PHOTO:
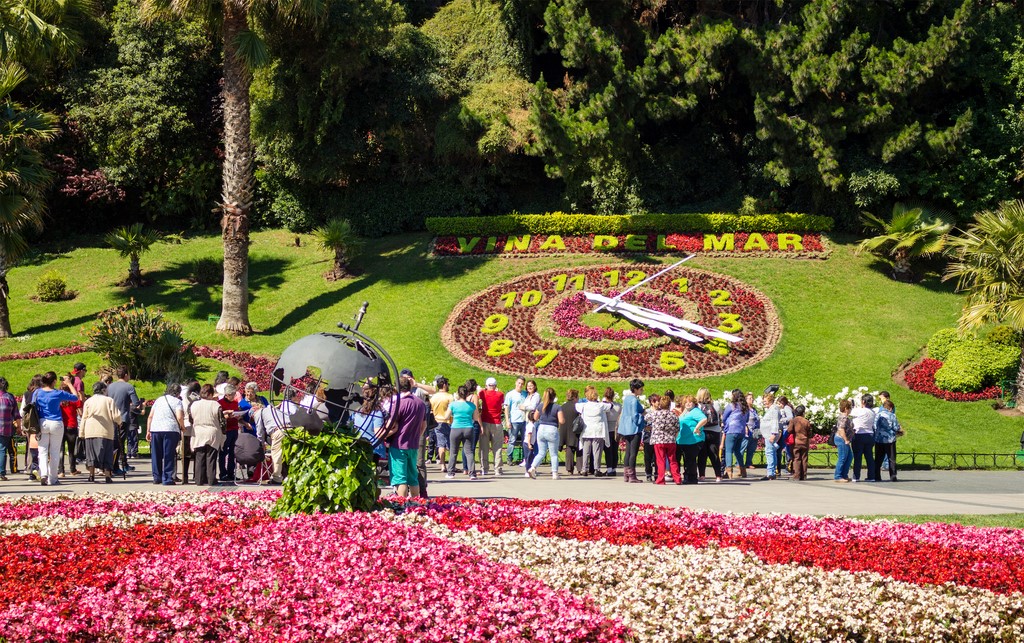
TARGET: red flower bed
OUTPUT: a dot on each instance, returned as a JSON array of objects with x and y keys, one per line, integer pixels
[
  {"x": 921, "y": 378},
  {"x": 764, "y": 244}
]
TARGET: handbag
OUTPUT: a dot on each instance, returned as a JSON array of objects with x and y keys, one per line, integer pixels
[
  {"x": 578, "y": 426},
  {"x": 30, "y": 419},
  {"x": 790, "y": 440}
]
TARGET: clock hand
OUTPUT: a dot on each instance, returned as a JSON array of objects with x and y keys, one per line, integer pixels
[
  {"x": 649, "y": 317},
  {"x": 635, "y": 286}
]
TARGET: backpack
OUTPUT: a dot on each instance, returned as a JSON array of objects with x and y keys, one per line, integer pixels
[
  {"x": 711, "y": 412},
  {"x": 578, "y": 426},
  {"x": 30, "y": 419}
]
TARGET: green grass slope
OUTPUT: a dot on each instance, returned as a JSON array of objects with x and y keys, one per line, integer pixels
[{"x": 844, "y": 322}]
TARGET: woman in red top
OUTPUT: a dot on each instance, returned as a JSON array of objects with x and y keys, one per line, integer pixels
[
  {"x": 227, "y": 453},
  {"x": 70, "y": 412}
]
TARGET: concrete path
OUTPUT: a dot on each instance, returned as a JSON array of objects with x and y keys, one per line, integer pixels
[{"x": 917, "y": 492}]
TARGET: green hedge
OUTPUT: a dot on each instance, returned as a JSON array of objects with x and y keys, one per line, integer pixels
[
  {"x": 943, "y": 341},
  {"x": 562, "y": 223},
  {"x": 974, "y": 364}
]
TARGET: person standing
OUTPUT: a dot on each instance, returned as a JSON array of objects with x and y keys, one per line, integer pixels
[
  {"x": 567, "y": 437},
  {"x": 463, "y": 415},
  {"x": 439, "y": 408},
  {"x": 163, "y": 431},
  {"x": 664, "y": 431},
  {"x": 844, "y": 442},
  {"x": 100, "y": 417},
  {"x": 887, "y": 428},
  {"x": 32, "y": 445},
  {"x": 207, "y": 434},
  {"x": 630, "y": 428},
  {"x": 770, "y": 432},
  {"x": 611, "y": 452},
  {"x": 189, "y": 394},
  {"x": 800, "y": 427},
  {"x": 408, "y": 421},
  {"x": 128, "y": 403},
  {"x": 229, "y": 405},
  {"x": 752, "y": 435},
  {"x": 491, "y": 437},
  {"x": 734, "y": 419},
  {"x": 864, "y": 436},
  {"x": 785, "y": 417},
  {"x": 70, "y": 412},
  {"x": 595, "y": 430},
  {"x": 548, "y": 417},
  {"x": 51, "y": 429},
  {"x": 9, "y": 414},
  {"x": 528, "y": 406},
  {"x": 690, "y": 437},
  {"x": 271, "y": 423},
  {"x": 712, "y": 436},
  {"x": 515, "y": 420}
]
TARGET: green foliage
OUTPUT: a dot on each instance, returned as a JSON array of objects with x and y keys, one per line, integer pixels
[
  {"x": 327, "y": 473},
  {"x": 1004, "y": 335},
  {"x": 146, "y": 113},
  {"x": 139, "y": 337},
  {"x": 132, "y": 241},
  {"x": 974, "y": 364},
  {"x": 943, "y": 341},
  {"x": 338, "y": 236},
  {"x": 206, "y": 271},
  {"x": 52, "y": 286},
  {"x": 562, "y": 223},
  {"x": 911, "y": 233}
]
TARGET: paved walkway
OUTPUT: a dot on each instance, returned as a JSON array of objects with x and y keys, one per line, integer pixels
[{"x": 917, "y": 492}]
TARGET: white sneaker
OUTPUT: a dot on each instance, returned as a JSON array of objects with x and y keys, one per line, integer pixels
[
  {"x": 609, "y": 473},
  {"x": 555, "y": 476},
  {"x": 499, "y": 473},
  {"x": 449, "y": 476},
  {"x": 523, "y": 464},
  {"x": 532, "y": 473},
  {"x": 526, "y": 475}
]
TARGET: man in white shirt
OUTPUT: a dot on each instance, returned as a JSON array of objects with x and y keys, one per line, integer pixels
[
  {"x": 515, "y": 417},
  {"x": 863, "y": 417}
]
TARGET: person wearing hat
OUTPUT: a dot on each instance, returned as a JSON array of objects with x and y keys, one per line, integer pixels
[
  {"x": 77, "y": 373},
  {"x": 492, "y": 438}
]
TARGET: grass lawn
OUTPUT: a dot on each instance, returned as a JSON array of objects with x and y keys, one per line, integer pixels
[
  {"x": 844, "y": 322},
  {"x": 1012, "y": 520}
]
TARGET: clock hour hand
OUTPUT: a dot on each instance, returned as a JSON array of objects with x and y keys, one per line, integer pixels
[{"x": 660, "y": 321}]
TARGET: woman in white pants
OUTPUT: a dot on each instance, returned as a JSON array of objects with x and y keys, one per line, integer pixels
[{"x": 51, "y": 424}]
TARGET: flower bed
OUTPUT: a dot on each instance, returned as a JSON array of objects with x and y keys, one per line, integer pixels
[
  {"x": 533, "y": 325},
  {"x": 921, "y": 378},
  {"x": 728, "y": 244},
  {"x": 502, "y": 570}
]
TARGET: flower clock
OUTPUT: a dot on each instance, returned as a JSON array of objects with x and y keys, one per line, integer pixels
[{"x": 685, "y": 323}]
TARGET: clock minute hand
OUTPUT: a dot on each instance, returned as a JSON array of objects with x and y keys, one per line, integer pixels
[
  {"x": 635, "y": 286},
  {"x": 648, "y": 317}
]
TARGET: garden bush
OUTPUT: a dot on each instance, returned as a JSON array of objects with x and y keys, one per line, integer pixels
[
  {"x": 52, "y": 286},
  {"x": 1004, "y": 335},
  {"x": 974, "y": 364},
  {"x": 141, "y": 339},
  {"x": 942, "y": 342},
  {"x": 206, "y": 271},
  {"x": 563, "y": 223}
]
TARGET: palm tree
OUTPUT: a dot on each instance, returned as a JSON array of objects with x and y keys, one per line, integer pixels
[
  {"x": 338, "y": 237},
  {"x": 988, "y": 264},
  {"x": 911, "y": 233},
  {"x": 23, "y": 177},
  {"x": 242, "y": 50},
  {"x": 37, "y": 31},
  {"x": 131, "y": 242}
]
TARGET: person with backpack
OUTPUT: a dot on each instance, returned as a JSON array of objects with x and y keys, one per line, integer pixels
[
  {"x": 735, "y": 419},
  {"x": 712, "y": 444}
]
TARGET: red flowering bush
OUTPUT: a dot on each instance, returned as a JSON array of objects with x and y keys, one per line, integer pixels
[{"x": 921, "y": 378}]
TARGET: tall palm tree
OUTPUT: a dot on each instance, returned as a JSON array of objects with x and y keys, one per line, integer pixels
[
  {"x": 910, "y": 233},
  {"x": 243, "y": 50},
  {"x": 337, "y": 236},
  {"x": 35, "y": 31},
  {"x": 23, "y": 177},
  {"x": 131, "y": 242},
  {"x": 988, "y": 264}
]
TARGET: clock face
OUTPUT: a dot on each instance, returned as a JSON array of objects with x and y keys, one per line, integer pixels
[{"x": 542, "y": 324}]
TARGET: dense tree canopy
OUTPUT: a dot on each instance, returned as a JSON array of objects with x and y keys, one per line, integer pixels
[{"x": 387, "y": 111}]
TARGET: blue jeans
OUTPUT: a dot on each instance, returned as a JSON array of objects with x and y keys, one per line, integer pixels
[
  {"x": 164, "y": 449},
  {"x": 6, "y": 446},
  {"x": 515, "y": 435},
  {"x": 227, "y": 456},
  {"x": 863, "y": 445},
  {"x": 845, "y": 454},
  {"x": 547, "y": 443},
  {"x": 733, "y": 450},
  {"x": 749, "y": 448},
  {"x": 473, "y": 441},
  {"x": 770, "y": 459}
]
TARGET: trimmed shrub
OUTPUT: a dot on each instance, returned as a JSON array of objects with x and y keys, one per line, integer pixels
[
  {"x": 974, "y": 364},
  {"x": 942, "y": 342},
  {"x": 141, "y": 339},
  {"x": 206, "y": 271},
  {"x": 53, "y": 287},
  {"x": 562, "y": 223},
  {"x": 1004, "y": 336}
]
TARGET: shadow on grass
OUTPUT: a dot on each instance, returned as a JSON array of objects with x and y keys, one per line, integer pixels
[{"x": 59, "y": 325}]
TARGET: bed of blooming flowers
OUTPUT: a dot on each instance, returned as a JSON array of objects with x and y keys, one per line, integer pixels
[{"x": 204, "y": 566}]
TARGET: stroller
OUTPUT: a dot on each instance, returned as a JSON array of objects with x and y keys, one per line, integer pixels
[{"x": 249, "y": 452}]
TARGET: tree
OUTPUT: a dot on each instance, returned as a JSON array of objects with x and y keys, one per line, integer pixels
[
  {"x": 988, "y": 264},
  {"x": 911, "y": 233},
  {"x": 242, "y": 51},
  {"x": 338, "y": 237},
  {"x": 23, "y": 177},
  {"x": 131, "y": 242}
]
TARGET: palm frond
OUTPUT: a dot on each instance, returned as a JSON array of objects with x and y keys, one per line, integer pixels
[{"x": 251, "y": 49}]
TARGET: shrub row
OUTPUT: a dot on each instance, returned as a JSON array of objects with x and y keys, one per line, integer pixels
[
  {"x": 571, "y": 224},
  {"x": 970, "y": 365}
]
